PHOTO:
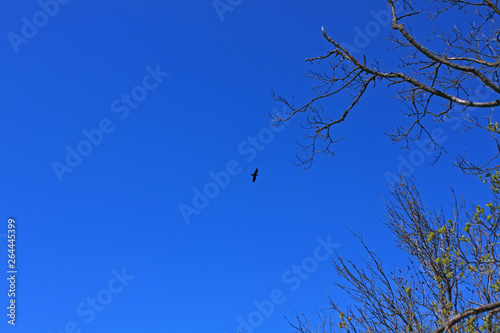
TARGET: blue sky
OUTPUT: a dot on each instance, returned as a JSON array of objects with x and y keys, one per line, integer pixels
[{"x": 102, "y": 245}]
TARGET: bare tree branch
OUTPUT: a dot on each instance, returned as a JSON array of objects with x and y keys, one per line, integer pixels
[{"x": 434, "y": 83}]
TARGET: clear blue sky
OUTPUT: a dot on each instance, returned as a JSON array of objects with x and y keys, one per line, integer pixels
[{"x": 107, "y": 227}]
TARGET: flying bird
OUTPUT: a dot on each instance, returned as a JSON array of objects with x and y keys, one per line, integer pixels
[{"x": 254, "y": 175}]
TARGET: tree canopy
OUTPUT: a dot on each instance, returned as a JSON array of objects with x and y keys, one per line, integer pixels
[
  {"x": 435, "y": 79},
  {"x": 451, "y": 283},
  {"x": 452, "y": 280}
]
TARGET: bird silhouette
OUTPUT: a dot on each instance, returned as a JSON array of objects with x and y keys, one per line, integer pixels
[{"x": 254, "y": 175}]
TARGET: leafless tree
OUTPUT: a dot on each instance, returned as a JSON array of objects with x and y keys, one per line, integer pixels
[
  {"x": 436, "y": 78},
  {"x": 451, "y": 283}
]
